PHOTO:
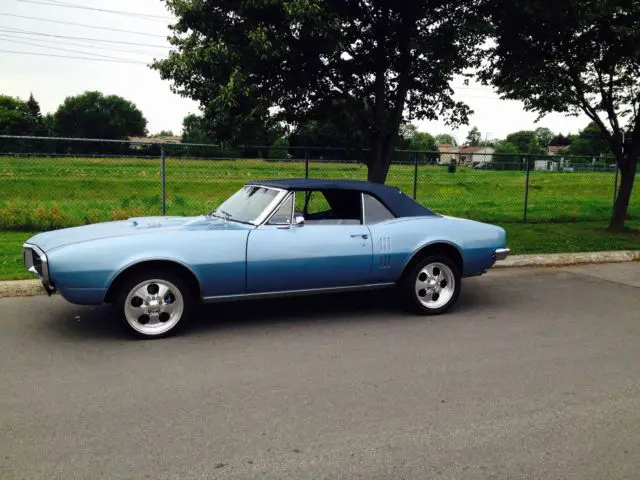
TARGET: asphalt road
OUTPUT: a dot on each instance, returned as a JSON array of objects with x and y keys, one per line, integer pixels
[{"x": 535, "y": 375}]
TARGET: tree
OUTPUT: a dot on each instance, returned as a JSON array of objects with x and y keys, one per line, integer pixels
[
  {"x": 14, "y": 117},
  {"x": 544, "y": 136},
  {"x": 332, "y": 125},
  {"x": 193, "y": 130},
  {"x": 580, "y": 57},
  {"x": 387, "y": 61},
  {"x": 447, "y": 139},
  {"x": 474, "y": 137},
  {"x": 413, "y": 139},
  {"x": 507, "y": 153},
  {"x": 525, "y": 141},
  {"x": 560, "y": 140},
  {"x": 94, "y": 115},
  {"x": 163, "y": 133},
  {"x": 35, "y": 117},
  {"x": 20, "y": 118}
]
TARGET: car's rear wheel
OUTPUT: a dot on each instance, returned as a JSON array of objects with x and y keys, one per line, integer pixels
[
  {"x": 154, "y": 304},
  {"x": 432, "y": 286}
]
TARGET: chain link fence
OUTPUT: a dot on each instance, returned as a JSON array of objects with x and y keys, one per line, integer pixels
[{"x": 49, "y": 183}]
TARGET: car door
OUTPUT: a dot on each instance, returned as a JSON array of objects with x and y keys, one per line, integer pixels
[
  {"x": 388, "y": 238},
  {"x": 323, "y": 252}
]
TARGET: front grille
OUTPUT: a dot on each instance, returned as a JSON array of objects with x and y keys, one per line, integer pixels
[
  {"x": 37, "y": 262},
  {"x": 32, "y": 259}
]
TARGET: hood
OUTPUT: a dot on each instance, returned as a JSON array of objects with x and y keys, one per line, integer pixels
[{"x": 134, "y": 226}]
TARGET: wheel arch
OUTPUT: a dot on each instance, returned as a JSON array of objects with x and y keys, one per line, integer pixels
[
  {"x": 445, "y": 248},
  {"x": 175, "y": 266}
]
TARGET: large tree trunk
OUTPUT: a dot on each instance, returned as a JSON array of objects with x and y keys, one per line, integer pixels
[
  {"x": 380, "y": 160},
  {"x": 623, "y": 198}
]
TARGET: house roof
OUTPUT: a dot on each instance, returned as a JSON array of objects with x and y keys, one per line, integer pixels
[
  {"x": 473, "y": 149},
  {"x": 174, "y": 139},
  {"x": 447, "y": 147},
  {"x": 556, "y": 148},
  {"x": 393, "y": 198}
]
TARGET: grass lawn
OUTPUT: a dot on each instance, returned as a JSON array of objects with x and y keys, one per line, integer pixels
[
  {"x": 522, "y": 238},
  {"x": 46, "y": 193}
]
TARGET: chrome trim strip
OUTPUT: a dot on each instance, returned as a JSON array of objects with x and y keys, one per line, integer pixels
[
  {"x": 43, "y": 260},
  {"x": 291, "y": 293},
  {"x": 271, "y": 208},
  {"x": 502, "y": 253},
  {"x": 364, "y": 222},
  {"x": 273, "y": 212}
]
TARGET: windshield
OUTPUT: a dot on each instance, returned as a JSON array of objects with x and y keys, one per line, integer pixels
[{"x": 247, "y": 204}]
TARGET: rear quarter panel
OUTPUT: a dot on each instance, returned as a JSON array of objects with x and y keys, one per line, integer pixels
[
  {"x": 396, "y": 242},
  {"x": 83, "y": 272}
]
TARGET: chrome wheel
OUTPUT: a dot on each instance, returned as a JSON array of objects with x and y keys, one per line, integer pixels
[
  {"x": 435, "y": 285},
  {"x": 154, "y": 307}
]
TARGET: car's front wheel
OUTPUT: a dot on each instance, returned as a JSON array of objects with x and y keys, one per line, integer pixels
[
  {"x": 154, "y": 304},
  {"x": 433, "y": 285}
]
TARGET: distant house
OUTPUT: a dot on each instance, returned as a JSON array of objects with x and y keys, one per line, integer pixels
[
  {"x": 476, "y": 154},
  {"x": 448, "y": 153},
  {"x": 546, "y": 165},
  {"x": 174, "y": 139},
  {"x": 556, "y": 149}
]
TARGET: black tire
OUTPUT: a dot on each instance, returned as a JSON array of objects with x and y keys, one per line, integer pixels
[
  {"x": 411, "y": 296},
  {"x": 163, "y": 277}
]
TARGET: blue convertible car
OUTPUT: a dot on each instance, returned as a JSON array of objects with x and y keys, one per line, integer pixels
[{"x": 270, "y": 238}]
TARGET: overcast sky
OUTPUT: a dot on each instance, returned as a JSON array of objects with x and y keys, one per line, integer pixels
[{"x": 51, "y": 79}]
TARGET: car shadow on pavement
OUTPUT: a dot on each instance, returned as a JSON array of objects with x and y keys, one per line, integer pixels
[{"x": 329, "y": 308}]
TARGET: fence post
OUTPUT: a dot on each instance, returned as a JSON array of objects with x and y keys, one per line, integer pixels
[
  {"x": 415, "y": 175},
  {"x": 615, "y": 190},
  {"x": 163, "y": 171},
  {"x": 306, "y": 163},
  {"x": 526, "y": 191}
]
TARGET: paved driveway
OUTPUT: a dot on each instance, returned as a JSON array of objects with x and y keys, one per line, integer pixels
[{"x": 536, "y": 374}]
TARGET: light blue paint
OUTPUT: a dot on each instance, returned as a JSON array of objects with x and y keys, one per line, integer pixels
[{"x": 230, "y": 258}]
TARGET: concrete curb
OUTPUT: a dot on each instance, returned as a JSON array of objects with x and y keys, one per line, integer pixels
[
  {"x": 21, "y": 288},
  {"x": 29, "y": 288},
  {"x": 566, "y": 259}
]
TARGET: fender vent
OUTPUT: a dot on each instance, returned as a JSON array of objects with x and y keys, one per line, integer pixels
[{"x": 385, "y": 252}]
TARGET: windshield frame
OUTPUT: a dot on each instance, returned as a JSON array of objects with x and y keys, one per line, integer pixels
[{"x": 264, "y": 214}]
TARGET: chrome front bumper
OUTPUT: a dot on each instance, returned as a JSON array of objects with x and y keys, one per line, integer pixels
[
  {"x": 501, "y": 253},
  {"x": 37, "y": 263}
]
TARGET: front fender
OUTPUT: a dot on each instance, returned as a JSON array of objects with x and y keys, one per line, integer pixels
[{"x": 216, "y": 258}]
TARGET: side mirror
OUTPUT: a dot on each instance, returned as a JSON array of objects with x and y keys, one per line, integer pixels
[{"x": 299, "y": 220}]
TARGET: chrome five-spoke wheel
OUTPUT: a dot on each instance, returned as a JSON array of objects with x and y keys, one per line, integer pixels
[
  {"x": 433, "y": 285},
  {"x": 154, "y": 302},
  {"x": 154, "y": 307}
]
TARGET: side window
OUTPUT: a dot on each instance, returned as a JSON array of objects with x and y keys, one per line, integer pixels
[
  {"x": 282, "y": 216},
  {"x": 311, "y": 202},
  {"x": 374, "y": 211},
  {"x": 317, "y": 203}
]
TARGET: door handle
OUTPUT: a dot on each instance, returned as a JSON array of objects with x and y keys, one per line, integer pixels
[{"x": 361, "y": 235}]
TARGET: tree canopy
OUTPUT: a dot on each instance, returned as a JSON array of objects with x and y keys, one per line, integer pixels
[
  {"x": 94, "y": 115},
  {"x": 18, "y": 117},
  {"x": 525, "y": 141},
  {"x": 294, "y": 60},
  {"x": 474, "y": 137},
  {"x": 579, "y": 56},
  {"x": 446, "y": 138}
]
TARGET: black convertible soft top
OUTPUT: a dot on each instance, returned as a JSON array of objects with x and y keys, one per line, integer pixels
[{"x": 393, "y": 198}]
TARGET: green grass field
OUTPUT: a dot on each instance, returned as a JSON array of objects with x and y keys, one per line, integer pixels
[
  {"x": 45, "y": 193},
  {"x": 566, "y": 211}
]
